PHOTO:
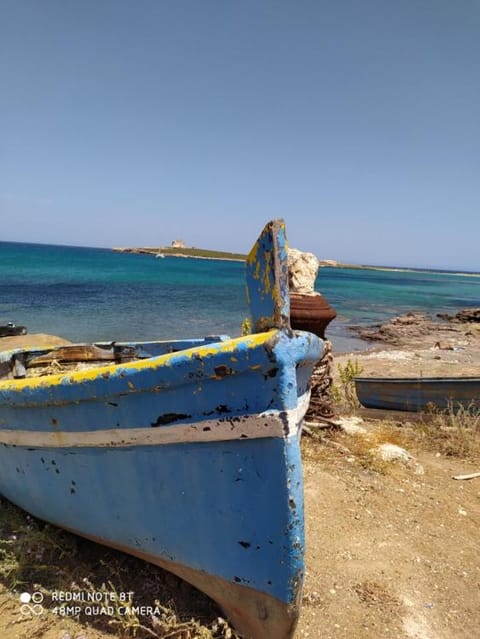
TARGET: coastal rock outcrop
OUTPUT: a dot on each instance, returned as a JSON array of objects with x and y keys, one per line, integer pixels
[
  {"x": 465, "y": 315},
  {"x": 395, "y": 329},
  {"x": 414, "y": 326}
]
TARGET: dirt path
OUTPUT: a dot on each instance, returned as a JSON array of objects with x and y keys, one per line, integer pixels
[{"x": 390, "y": 555}]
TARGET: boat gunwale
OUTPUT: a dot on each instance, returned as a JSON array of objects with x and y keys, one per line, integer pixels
[{"x": 157, "y": 361}]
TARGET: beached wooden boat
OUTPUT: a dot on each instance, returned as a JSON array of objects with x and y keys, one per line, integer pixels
[
  {"x": 185, "y": 454},
  {"x": 419, "y": 393}
]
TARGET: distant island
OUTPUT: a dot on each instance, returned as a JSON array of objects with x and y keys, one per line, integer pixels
[{"x": 179, "y": 249}]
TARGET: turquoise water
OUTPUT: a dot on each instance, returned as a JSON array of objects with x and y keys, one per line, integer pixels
[{"x": 86, "y": 294}]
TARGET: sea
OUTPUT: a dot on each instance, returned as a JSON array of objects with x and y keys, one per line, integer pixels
[{"x": 93, "y": 294}]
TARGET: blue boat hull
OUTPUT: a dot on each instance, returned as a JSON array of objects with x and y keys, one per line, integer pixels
[
  {"x": 419, "y": 394},
  {"x": 186, "y": 454},
  {"x": 190, "y": 460}
]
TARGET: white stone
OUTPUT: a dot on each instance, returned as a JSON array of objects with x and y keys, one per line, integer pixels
[
  {"x": 351, "y": 425},
  {"x": 302, "y": 271},
  {"x": 392, "y": 452}
]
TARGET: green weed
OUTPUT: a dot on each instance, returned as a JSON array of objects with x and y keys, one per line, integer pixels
[{"x": 344, "y": 389}]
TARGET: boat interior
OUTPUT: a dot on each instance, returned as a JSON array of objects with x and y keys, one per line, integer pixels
[{"x": 37, "y": 362}]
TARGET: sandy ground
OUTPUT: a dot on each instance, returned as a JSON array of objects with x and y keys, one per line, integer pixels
[{"x": 391, "y": 555}]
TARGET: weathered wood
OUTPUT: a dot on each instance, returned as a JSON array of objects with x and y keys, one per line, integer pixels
[
  {"x": 470, "y": 476},
  {"x": 74, "y": 353},
  {"x": 267, "y": 279}
]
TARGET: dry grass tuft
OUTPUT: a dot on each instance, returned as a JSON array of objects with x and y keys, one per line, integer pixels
[
  {"x": 454, "y": 433},
  {"x": 361, "y": 447}
]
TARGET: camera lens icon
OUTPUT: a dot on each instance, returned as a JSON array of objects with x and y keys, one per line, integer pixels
[{"x": 37, "y": 597}]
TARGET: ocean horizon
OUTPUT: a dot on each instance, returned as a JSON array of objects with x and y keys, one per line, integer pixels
[
  {"x": 346, "y": 265},
  {"x": 92, "y": 294}
]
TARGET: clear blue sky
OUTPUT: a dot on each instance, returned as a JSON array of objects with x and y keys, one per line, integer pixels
[{"x": 138, "y": 122}]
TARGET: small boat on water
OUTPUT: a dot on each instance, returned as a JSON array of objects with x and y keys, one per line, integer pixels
[
  {"x": 419, "y": 393},
  {"x": 183, "y": 453}
]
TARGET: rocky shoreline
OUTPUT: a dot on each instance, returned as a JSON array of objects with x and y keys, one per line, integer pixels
[
  {"x": 415, "y": 327},
  {"x": 418, "y": 344}
]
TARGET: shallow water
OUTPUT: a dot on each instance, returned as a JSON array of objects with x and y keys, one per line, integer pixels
[{"x": 86, "y": 294}]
